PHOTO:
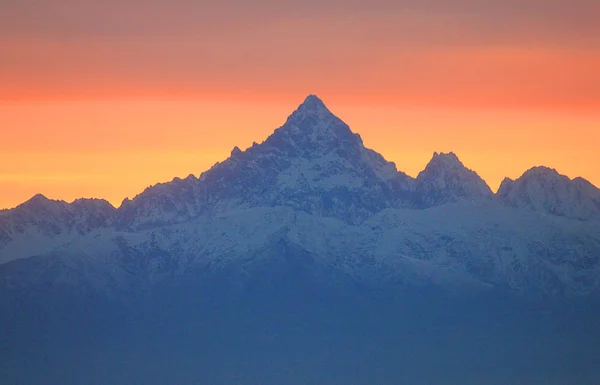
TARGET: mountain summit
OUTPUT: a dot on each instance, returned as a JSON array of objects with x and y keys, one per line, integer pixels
[
  {"x": 313, "y": 162},
  {"x": 301, "y": 246},
  {"x": 312, "y": 104},
  {"x": 316, "y": 164},
  {"x": 312, "y": 201},
  {"x": 543, "y": 189},
  {"x": 312, "y": 131},
  {"x": 446, "y": 179}
]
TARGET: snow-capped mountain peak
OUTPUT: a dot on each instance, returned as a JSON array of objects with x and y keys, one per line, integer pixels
[
  {"x": 543, "y": 189},
  {"x": 313, "y": 162},
  {"x": 312, "y": 130},
  {"x": 314, "y": 195},
  {"x": 313, "y": 109},
  {"x": 38, "y": 201},
  {"x": 313, "y": 105},
  {"x": 446, "y": 160},
  {"x": 38, "y": 207},
  {"x": 446, "y": 179}
]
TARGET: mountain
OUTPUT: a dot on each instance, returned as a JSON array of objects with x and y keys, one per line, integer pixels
[
  {"x": 544, "y": 190},
  {"x": 446, "y": 179},
  {"x": 311, "y": 207},
  {"x": 307, "y": 258},
  {"x": 40, "y": 224},
  {"x": 313, "y": 163}
]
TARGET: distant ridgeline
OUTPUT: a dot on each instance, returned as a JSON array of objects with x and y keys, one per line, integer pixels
[{"x": 312, "y": 201}]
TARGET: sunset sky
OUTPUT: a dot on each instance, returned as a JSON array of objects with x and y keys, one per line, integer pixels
[{"x": 104, "y": 98}]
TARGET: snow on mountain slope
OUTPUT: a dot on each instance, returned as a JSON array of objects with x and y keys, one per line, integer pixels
[
  {"x": 40, "y": 225},
  {"x": 500, "y": 245},
  {"x": 473, "y": 246},
  {"x": 313, "y": 163},
  {"x": 446, "y": 179},
  {"x": 544, "y": 190},
  {"x": 311, "y": 198}
]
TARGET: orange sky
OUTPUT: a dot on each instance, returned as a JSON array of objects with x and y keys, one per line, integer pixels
[{"x": 102, "y": 99}]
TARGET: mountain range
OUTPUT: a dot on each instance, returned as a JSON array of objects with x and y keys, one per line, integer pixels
[{"x": 313, "y": 200}]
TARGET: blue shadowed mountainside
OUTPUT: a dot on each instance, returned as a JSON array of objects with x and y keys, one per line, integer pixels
[{"x": 307, "y": 258}]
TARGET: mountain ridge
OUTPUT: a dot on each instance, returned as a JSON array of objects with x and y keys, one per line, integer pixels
[
  {"x": 298, "y": 137},
  {"x": 314, "y": 195}
]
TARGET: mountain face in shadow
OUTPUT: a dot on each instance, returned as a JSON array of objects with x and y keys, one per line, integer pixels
[
  {"x": 313, "y": 163},
  {"x": 546, "y": 191},
  {"x": 307, "y": 258},
  {"x": 446, "y": 180},
  {"x": 314, "y": 187}
]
